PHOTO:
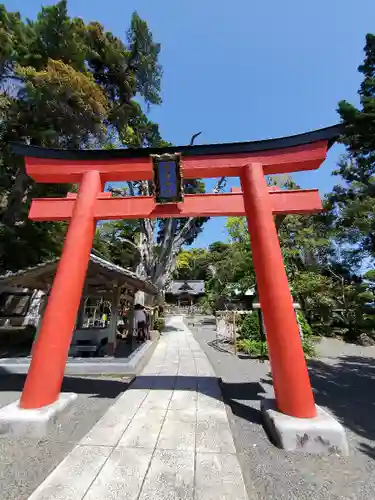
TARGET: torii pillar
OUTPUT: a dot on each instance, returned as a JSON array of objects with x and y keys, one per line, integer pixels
[
  {"x": 290, "y": 377},
  {"x": 44, "y": 379}
]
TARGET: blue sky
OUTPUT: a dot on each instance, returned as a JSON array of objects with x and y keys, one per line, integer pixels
[{"x": 243, "y": 70}]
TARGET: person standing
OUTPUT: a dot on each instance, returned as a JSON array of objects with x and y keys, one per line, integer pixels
[{"x": 140, "y": 322}]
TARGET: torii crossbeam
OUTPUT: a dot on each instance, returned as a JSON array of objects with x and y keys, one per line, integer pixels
[
  {"x": 250, "y": 161},
  {"x": 303, "y": 201}
]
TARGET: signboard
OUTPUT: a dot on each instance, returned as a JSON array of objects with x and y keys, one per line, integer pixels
[{"x": 167, "y": 178}]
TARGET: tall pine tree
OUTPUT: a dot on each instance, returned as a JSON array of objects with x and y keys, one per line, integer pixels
[{"x": 353, "y": 201}]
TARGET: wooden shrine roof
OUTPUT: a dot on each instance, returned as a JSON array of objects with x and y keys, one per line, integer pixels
[{"x": 101, "y": 274}]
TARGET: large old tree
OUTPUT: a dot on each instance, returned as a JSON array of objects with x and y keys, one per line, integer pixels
[{"x": 156, "y": 243}]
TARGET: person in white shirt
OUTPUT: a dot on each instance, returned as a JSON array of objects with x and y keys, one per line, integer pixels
[{"x": 140, "y": 322}]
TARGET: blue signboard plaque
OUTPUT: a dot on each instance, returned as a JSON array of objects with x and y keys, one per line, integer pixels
[{"x": 167, "y": 178}]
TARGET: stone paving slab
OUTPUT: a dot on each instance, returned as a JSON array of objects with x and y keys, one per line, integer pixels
[
  {"x": 177, "y": 435},
  {"x": 26, "y": 462},
  {"x": 166, "y": 438},
  {"x": 144, "y": 430},
  {"x": 121, "y": 476},
  {"x": 218, "y": 477},
  {"x": 72, "y": 478},
  {"x": 170, "y": 477},
  {"x": 214, "y": 435}
]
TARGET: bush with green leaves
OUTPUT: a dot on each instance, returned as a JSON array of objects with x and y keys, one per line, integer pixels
[
  {"x": 159, "y": 324},
  {"x": 308, "y": 347},
  {"x": 249, "y": 327},
  {"x": 250, "y": 341},
  {"x": 253, "y": 347},
  {"x": 304, "y": 325}
]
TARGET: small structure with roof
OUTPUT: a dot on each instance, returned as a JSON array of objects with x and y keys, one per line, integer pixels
[
  {"x": 108, "y": 290},
  {"x": 184, "y": 293}
]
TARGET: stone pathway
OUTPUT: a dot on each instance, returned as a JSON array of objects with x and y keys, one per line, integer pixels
[{"x": 166, "y": 438}]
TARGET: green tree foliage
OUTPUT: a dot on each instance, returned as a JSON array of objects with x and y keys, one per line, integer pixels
[
  {"x": 325, "y": 254},
  {"x": 192, "y": 265},
  {"x": 249, "y": 326},
  {"x": 225, "y": 267},
  {"x": 353, "y": 201},
  {"x": 65, "y": 83},
  {"x": 68, "y": 84},
  {"x": 117, "y": 241},
  {"x": 69, "y": 101}
]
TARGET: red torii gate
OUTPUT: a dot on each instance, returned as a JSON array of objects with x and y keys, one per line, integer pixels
[{"x": 250, "y": 161}]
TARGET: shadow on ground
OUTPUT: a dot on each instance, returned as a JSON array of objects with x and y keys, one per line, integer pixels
[
  {"x": 104, "y": 388},
  {"x": 346, "y": 388},
  {"x": 221, "y": 346},
  {"x": 170, "y": 328},
  {"x": 96, "y": 387},
  {"x": 236, "y": 394},
  {"x": 213, "y": 387}
]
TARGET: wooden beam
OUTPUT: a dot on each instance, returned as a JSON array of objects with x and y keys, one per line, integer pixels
[
  {"x": 300, "y": 201},
  {"x": 275, "y": 161}
]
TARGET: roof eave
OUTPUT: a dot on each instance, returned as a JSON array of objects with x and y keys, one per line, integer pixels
[
  {"x": 14, "y": 278},
  {"x": 329, "y": 134}
]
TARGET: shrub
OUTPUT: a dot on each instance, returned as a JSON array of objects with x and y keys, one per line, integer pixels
[
  {"x": 159, "y": 324},
  {"x": 305, "y": 327},
  {"x": 308, "y": 348},
  {"x": 250, "y": 341},
  {"x": 206, "y": 305},
  {"x": 259, "y": 349},
  {"x": 249, "y": 327},
  {"x": 253, "y": 347}
]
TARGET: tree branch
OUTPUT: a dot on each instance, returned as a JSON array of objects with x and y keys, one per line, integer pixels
[
  {"x": 220, "y": 185},
  {"x": 279, "y": 219},
  {"x": 131, "y": 188}
]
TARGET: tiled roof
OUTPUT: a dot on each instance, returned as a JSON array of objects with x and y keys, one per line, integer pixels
[
  {"x": 26, "y": 270},
  {"x": 192, "y": 287},
  {"x": 138, "y": 282}
]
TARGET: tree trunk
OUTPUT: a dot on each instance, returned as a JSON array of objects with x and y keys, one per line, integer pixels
[
  {"x": 159, "y": 261},
  {"x": 15, "y": 198}
]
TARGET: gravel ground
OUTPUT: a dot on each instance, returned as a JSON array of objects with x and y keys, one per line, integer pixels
[
  {"x": 25, "y": 463},
  {"x": 343, "y": 379}
]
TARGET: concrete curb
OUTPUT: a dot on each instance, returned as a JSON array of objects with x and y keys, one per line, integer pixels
[{"x": 126, "y": 367}]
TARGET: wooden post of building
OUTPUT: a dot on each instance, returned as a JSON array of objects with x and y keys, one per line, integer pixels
[
  {"x": 114, "y": 317},
  {"x": 81, "y": 310},
  {"x": 42, "y": 308}
]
